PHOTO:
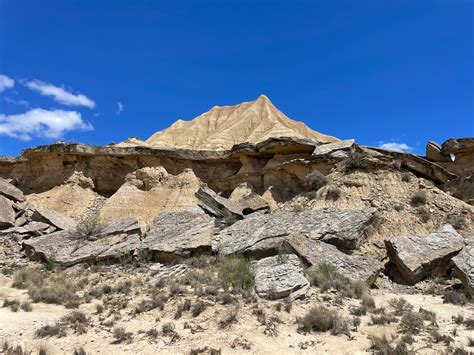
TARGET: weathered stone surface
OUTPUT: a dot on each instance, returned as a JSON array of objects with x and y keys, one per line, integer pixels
[
  {"x": 250, "y": 201},
  {"x": 259, "y": 232},
  {"x": 32, "y": 228},
  {"x": 7, "y": 214},
  {"x": 180, "y": 234},
  {"x": 53, "y": 217},
  {"x": 458, "y": 145},
  {"x": 280, "y": 276},
  {"x": 10, "y": 191},
  {"x": 354, "y": 266},
  {"x": 417, "y": 257},
  {"x": 433, "y": 152},
  {"x": 217, "y": 205},
  {"x": 464, "y": 265},
  {"x": 330, "y": 148},
  {"x": 67, "y": 250},
  {"x": 462, "y": 188},
  {"x": 119, "y": 226}
]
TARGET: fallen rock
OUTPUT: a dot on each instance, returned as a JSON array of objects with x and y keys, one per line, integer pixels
[
  {"x": 218, "y": 206},
  {"x": 250, "y": 201},
  {"x": 11, "y": 192},
  {"x": 180, "y": 234},
  {"x": 433, "y": 153},
  {"x": 280, "y": 276},
  {"x": 353, "y": 266},
  {"x": 55, "y": 218},
  {"x": 417, "y": 257},
  {"x": 7, "y": 214},
  {"x": 262, "y": 234},
  {"x": 334, "y": 149},
  {"x": 464, "y": 266},
  {"x": 30, "y": 229}
]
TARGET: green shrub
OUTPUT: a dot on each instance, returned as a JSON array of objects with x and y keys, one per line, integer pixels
[
  {"x": 87, "y": 229},
  {"x": 319, "y": 319},
  {"x": 145, "y": 255},
  {"x": 400, "y": 306},
  {"x": 315, "y": 180},
  {"x": 235, "y": 272},
  {"x": 419, "y": 198},
  {"x": 356, "y": 162}
]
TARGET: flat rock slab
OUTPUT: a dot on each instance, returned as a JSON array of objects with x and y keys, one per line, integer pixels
[
  {"x": 30, "y": 229},
  {"x": 280, "y": 276},
  {"x": 7, "y": 214},
  {"x": 417, "y": 257},
  {"x": 67, "y": 250},
  {"x": 55, "y": 218},
  {"x": 330, "y": 148},
  {"x": 11, "y": 192},
  {"x": 353, "y": 266},
  {"x": 180, "y": 233},
  {"x": 259, "y": 232},
  {"x": 464, "y": 265}
]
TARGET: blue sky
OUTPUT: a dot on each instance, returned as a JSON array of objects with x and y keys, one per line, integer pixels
[{"x": 377, "y": 71}]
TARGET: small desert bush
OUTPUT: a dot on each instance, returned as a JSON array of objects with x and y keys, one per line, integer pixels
[
  {"x": 333, "y": 193},
  {"x": 356, "y": 162},
  {"x": 87, "y": 229},
  {"x": 319, "y": 319},
  {"x": 383, "y": 319},
  {"x": 315, "y": 180},
  {"x": 26, "y": 306},
  {"x": 368, "y": 302},
  {"x": 235, "y": 272},
  {"x": 326, "y": 276},
  {"x": 419, "y": 198},
  {"x": 121, "y": 335},
  {"x": 411, "y": 323},
  {"x": 168, "y": 329},
  {"x": 79, "y": 351},
  {"x": 383, "y": 346},
  {"x": 400, "y": 306},
  {"x": 229, "y": 318},
  {"x": 152, "y": 333},
  {"x": 57, "y": 290},
  {"x": 56, "y": 330},
  {"x": 406, "y": 177},
  {"x": 157, "y": 301},
  {"x": 145, "y": 255},
  {"x": 14, "y": 305},
  {"x": 424, "y": 213},
  {"x": 358, "y": 311},
  {"x": 455, "y": 297},
  {"x": 28, "y": 277},
  {"x": 198, "y": 308}
]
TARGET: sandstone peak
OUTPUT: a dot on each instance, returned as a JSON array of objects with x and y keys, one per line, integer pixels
[{"x": 223, "y": 126}]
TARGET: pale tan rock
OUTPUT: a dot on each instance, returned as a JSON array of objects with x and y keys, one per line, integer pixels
[
  {"x": 245, "y": 195},
  {"x": 433, "y": 153},
  {"x": 149, "y": 191},
  {"x": 222, "y": 127},
  {"x": 7, "y": 214},
  {"x": 10, "y": 191}
]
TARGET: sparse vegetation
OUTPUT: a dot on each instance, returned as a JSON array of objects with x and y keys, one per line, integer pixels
[
  {"x": 14, "y": 305},
  {"x": 26, "y": 306},
  {"x": 321, "y": 319},
  {"x": 57, "y": 290},
  {"x": 235, "y": 272},
  {"x": 145, "y": 255},
  {"x": 356, "y": 162},
  {"x": 455, "y": 297},
  {"x": 419, "y": 198},
  {"x": 229, "y": 319},
  {"x": 333, "y": 193},
  {"x": 28, "y": 277},
  {"x": 315, "y": 180},
  {"x": 198, "y": 308},
  {"x": 383, "y": 318},
  {"x": 368, "y": 302},
  {"x": 411, "y": 323},
  {"x": 400, "y": 306},
  {"x": 121, "y": 335},
  {"x": 87, "y": 229},
  {"x": 424, "y": 213},
  {"x": 56, "y": 330},
  {"x": 406, "y": 177}
]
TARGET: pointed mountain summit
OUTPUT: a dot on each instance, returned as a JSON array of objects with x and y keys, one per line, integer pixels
[{"x": 223, "y": 126}]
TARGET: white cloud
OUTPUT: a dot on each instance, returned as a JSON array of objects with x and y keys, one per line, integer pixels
[
  {"x": 6, "y": 83},
  {"x": 17, "y": 102},
  {"x": 119, "y": 108},
  {"x": 398, "y": 147},
  {"x": 42, "y": 123},
  {"x": 59, "y": 94}
]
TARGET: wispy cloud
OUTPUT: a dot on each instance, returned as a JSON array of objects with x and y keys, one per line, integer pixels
[
  {"x": 119, "y": 108},
  {"x": 6, "y": 82},
  {"x": 17, "y": 102},
  {"x": 398, "y": 147},
  {"x": 59, "y": 94},
  {"x": 42, "y": 123}
]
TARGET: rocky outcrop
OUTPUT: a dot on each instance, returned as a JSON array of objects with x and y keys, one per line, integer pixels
[
  {"x": 245, "y": 196},
  {"x": 458, "y": 145},
  {"x": 54, "y": 218},
  {"x": 280, "y": 276},
  {"x": 434, "y": 153},
  {"x": 115, "y": 240},
  {"x": 218, "y": 206},
  {"x": 7, "y": 214},
  {"x": 354, "y": 266},
  {"x": 464, "y": 265},
  {"x": 417, "y": 257},
  {"x": 339, "y": 150},
  {"x": 175, "y": 235},
  {"x": 262, "y": 234},
  {"x": 462, "y": 188},
  {"x": 11, "y": 192}
]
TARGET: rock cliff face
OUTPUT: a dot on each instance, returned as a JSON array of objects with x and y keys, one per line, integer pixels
[{"x": 223, "y": 127}]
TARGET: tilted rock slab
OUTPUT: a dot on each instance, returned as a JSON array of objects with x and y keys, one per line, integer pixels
[
  {"x": 258, "y": 233},
  {"x": 180, "y": 234},
  {"x": 280, "y": 276},
  {"x": 11, "y": 192},
  {"x": 330, "y": 149},
  {"x": 464, "y": 266},
  {"x": 417, "y": 257},
  {"x": 217, "y": 205},
  {"x": 54, "y": 218},
  {"x": 7, "y": 213},
  {"x": 250, "y": 201},
  {"x": 353, "y": 266},
  {"x": 115, "y": 240}
]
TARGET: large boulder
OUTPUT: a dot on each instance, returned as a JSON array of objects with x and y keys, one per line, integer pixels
[
  {"x": 417, "y": 257},
  {"x": 115, "y": 240},
  {"x": 280, "y": 276},
  {"x": 354, "y": 266},
  {"x": 245, "y": 195},
  {"x": 218, "y": 206},
  {"x": 7, "y": 213},
  {"x": 464, "y": 265},
  {"x": 54, "y": 218},
  {"x": 10, "y": 191},
  {"x": 433, "y": 153},
  {"x": 179, "y": 234},
  {"x": 262, "y": 234}
]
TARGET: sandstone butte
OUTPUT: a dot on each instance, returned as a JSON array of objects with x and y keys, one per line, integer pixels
[{"x": 144, "y": 238}]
